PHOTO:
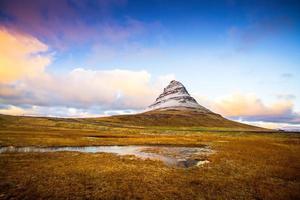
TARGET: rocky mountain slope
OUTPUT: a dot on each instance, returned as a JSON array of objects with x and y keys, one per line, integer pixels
[{"x": 175, "y": 96}]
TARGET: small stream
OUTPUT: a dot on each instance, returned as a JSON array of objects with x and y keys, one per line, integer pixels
[{"x": 172, "y": 156}]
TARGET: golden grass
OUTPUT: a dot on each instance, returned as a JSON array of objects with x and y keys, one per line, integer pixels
[
  {"x": 245, "y": 165},
  {"x": 177, "y": 118}
]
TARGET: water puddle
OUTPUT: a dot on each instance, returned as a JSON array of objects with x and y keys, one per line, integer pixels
[{"x": 172, "y": 156}]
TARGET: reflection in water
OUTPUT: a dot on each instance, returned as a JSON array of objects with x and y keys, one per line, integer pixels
[{"x": 172, "y": 156}]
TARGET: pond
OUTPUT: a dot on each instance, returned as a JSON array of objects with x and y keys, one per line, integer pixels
[{"x": 172, "y": 156}]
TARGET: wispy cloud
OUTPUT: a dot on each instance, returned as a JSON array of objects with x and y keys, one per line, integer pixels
[{"x": 64, "y": 23}]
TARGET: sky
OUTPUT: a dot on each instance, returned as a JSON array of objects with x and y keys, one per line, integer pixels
[{"x": 75, "y": 58}]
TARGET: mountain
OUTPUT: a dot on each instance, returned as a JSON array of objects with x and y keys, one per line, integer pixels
[
  {"x": 175, "y": 107},
  {"x": 175, "y": 96}
]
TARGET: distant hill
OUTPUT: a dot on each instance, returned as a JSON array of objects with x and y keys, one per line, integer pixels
[
  {"x": 178, "y": 118},
  {"x": 159, "y": 119}
]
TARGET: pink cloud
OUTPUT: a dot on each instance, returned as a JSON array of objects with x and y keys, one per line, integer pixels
[
  {"x": 251, "y": 108},
  {"x": 20, "y": 56}
]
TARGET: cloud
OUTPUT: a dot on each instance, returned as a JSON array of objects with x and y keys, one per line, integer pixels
[
  {"x": 25, "y": 82},
  {"x": 65, "y": 23},
  {"x": 50, "y": 111},
  {"x": 81, "y": 88},
  {"x": 21, "y": 56},
  {"x": 272, "y": 125},
  {"x": 14, "y": 110},
  {"x": 249, "y": 107}
]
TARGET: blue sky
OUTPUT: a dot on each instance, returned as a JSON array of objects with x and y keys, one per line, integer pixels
[{"x": 238, "y": 58}]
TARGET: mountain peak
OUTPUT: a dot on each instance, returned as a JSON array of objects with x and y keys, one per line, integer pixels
[
  {"x": 173, "y": 85},
  {"x": 175, "y": 96}
]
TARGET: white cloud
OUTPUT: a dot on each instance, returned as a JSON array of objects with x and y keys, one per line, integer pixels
[
  {"x": 14, "y": 110},
  {"x": 81, "y": 88},
  {"x": 272, "y": 125}
]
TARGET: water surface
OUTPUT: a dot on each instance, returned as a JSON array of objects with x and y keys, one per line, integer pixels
[{"x": 171, "y": 156}]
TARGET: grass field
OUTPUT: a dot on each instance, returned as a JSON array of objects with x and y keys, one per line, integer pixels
[{"x": 247, "y": 164}]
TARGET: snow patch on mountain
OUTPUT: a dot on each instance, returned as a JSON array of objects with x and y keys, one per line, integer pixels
[{"x": 175, "y": 96}]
